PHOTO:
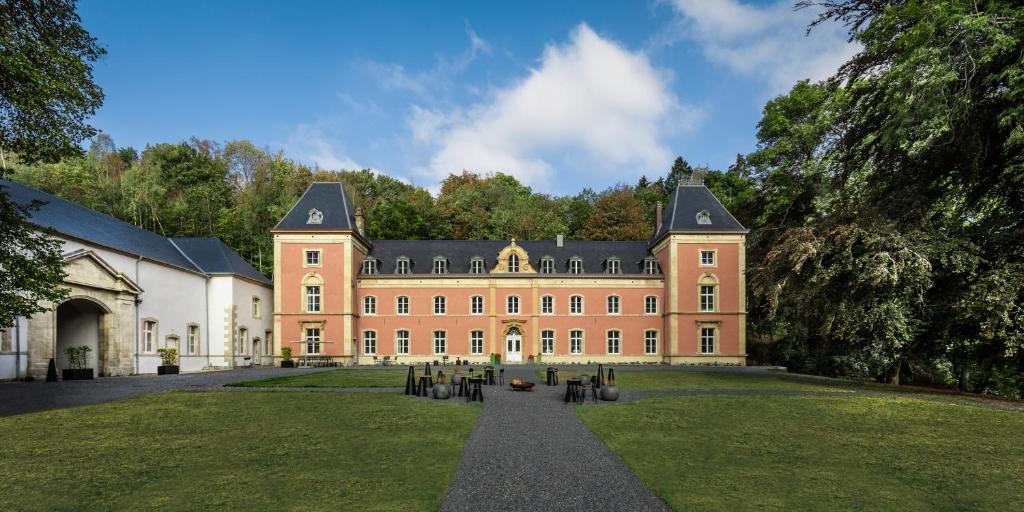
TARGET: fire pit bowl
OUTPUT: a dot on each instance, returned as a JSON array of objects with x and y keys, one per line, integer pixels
[{"x": 521, "y": 385}]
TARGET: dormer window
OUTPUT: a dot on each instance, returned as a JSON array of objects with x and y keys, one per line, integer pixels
[
  {"x": 370, "y": 266},
  {"x": 576, "y": 265},
  {"x": 613, "y": 266},
  {"x": 703, "y": 217},
  {"x": 402, "y": 265},
  {"x": 315, "y": 217},
  {"x": 440, "y": 265},
  {"x": 513, "y": 262},
  {"x": 651, "y": 266},
  {"x": 476, "y": 265},
  {"x": 547, "y": 265}
]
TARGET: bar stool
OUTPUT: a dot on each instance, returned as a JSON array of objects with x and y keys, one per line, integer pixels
[
  {"x": 463, "y": 386},
  {"x": 476, "y": 392},
  {"x": 572, "y": 389},
  {"x": 489, "y": 376},
  {"x": 552, "y": 379},
  {"x": 501, "y": 376}
]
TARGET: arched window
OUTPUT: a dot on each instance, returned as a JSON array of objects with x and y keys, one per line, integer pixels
[
  {"x": 402, "y": 265},
  {"x": 576, "y": 265},
  {"x": 703, "y": 217},
  {"x": 476, "y": 265},
  {"x": 370, "y": 342},
  {"x": 476, "y": 305},
  {"x": 614, "y": 305},
  {"x": 440, "y": 305},
  {"x": 402, "y": 305},
  {"x": 613, "y": 265},
  {"x": 576, "y": 305},
  {"x": 512, "y": 305},
  {"x": 513, "y": 262},
  {"x": 370, "y": 266},
  {"x": 440, "y": 265},
  {"x": 651, "y": 305},
  {"x": 707, "y": 293},
  {"x": 547, "y": 265}
]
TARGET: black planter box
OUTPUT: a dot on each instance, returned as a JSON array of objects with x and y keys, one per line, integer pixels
[
  {"x": 287, "y": 364},
  {"x": 167, "y": 370},
  {"x": 77, "y": 374}
]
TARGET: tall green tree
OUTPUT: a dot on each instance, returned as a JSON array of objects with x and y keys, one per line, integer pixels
[{"x": 46, "y": 95}]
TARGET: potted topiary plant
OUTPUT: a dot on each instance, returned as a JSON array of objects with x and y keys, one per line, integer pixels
[
  {"x": 168, "y": 361},
  {"x": 286, "y": 358},
  {"x": 442, "y": 391},
  {"x": 78, "y": 358}
]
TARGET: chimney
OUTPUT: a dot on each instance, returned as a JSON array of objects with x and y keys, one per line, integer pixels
[
  {"x": 359, "y": 221},
  {"x": 657, "y": 219},
  {"x": 559, "y": 240}
]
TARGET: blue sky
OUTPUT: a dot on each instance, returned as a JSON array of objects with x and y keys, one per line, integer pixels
[{"x": 562, "y": 95}]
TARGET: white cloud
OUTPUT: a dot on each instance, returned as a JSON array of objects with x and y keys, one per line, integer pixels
[
  {"x": 601, "y": 111},
  {"x": 766, "y": 42},
  {"x": 310, "y": 144}
]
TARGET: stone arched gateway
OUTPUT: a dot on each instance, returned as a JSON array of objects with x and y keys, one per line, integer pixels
[{"x": 100, "y": 313}]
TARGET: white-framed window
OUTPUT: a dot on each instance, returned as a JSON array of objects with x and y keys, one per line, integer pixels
[
  {"x": 243, "y": 341},
  {"x": 576, "y": 342},
  {"x": 513, "y": 262},
  {"x": 547, "y": 265},
  {"x": 614, "y": 266},
  {"x": 576, "y": 265},
  {"x": 402, "y": 266},
  {"x": 613, "y": 305},
  {"x": 476, "y": 342},
  {"x": 576, "y": 305},
  {"x": 440, "y": 305},
  {"x": 650, "y": 342},
  {"x": 312, "y": 299},
  {"x": 370, "y": 342},
  {"x": 370, "y": 305},
  {"x": 512, "y": 305},
  {"x": 476, "y": 266},
  {"x": 313, "y": 341},
  {"x": 707, "y": 340},
  {"x": 440, "y": 265},
  {"x": 707, "y": 297},
  {"x": 370, "y": 266},
  {"x": 440, "y": 342},
  {"x": 547, "y": 305},
  {"x": 148, "y": 336},
  {"x": 257, "y": 311},
  {"x": 614, "y": 342},
  {"x": 650, "y": 266},
  {"x": 402, "y": 305},
  {"x": 651, "y": 305},
  {"x": 476, "y": 305},
  {"x": 313, "y": 258},
  {"x": 192, "y": 339},
  {"x": 707, "y": 258},
  {"x": 547, "y": 342},
  {"x": 402, "y": 342}
]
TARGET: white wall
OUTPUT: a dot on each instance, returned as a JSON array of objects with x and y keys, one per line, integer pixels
[{"x": 242, "y": 294}]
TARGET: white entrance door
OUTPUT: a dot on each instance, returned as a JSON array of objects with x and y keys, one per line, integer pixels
[{"x": 514, "y": 346}]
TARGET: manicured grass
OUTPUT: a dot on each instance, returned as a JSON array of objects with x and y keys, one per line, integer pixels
[
  {"x": 818, "y": 453},
  {"x": 343, "y": 378},
  {"x": 235, "y": 451},
  {"x": 691, "y": 380}
]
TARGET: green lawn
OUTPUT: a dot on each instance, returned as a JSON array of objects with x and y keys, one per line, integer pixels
[
  {"x": 818, "y": 453},
  {"x": 687, "y": 380},
  {"x": 235, "y": 451},
  {"x": 343, "y": 378}
]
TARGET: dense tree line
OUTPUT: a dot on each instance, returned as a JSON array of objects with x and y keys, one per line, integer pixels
[{"x": 886, "y": 204}]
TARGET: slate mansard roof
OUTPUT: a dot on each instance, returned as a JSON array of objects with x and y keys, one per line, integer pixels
[
  {"x": 202, "y": 255},
  {"x": 686, "y": 203},
  {"x": 459, "y": 253}
]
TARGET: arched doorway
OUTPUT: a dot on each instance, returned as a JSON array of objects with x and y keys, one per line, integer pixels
[
  {"x": 513, "y": 345},
  {"x": 80, "y": 321}
]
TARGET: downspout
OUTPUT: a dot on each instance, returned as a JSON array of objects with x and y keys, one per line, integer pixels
[
  {"x": 138, "y": 346},
  {"x": 206, "y": 303},
  {"x": 17, "y": 348}
]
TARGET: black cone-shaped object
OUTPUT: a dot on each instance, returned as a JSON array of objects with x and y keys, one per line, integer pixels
[
  {"x": 410, "y": 381},
  {"x": 427, "y": 370},
  {"x": 611, "y": 376},
  {"x": 600, "y": 375},
  {"x": 51, "y": 372}
]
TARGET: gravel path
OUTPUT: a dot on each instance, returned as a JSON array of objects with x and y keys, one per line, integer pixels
[
  {"x": 529, "y": 451},
  {"x": 25, "y": 397}
]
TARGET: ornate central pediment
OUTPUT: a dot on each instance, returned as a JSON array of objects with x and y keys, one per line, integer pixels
[
  {"x": 506, "y": 264},
  {"x": 88, "y": 269}
]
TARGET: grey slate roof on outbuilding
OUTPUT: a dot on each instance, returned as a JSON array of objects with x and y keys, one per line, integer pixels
[
  {"x": 686, "y": 203},
  {"x": 77, "y": 221},
  {"x": 460, "y": 252},
  {"x": 214, "y": 257},
  {"x": 330, "y": 200}
]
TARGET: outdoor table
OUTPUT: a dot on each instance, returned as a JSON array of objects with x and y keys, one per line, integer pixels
[
  {"x": 489, "y": 376},
  {"x": 426, "y": 382},
  {"x": 552, "y": 376},
  {"x": 476, "y": 391},
  {"x": 572, "y": 389}
]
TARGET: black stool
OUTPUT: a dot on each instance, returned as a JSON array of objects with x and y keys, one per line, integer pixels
[
  {"x": 463, "y": 387},
  {"x": 572, "y": 390},
  {"x": 501, "y": 376},
  {"x": 552, "y": 376},
  {"x": 489, "y": 376},
  {"x": 476, "y": 392}
]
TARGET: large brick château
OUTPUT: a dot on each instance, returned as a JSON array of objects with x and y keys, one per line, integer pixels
[{"x": 677, "y": 298}]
